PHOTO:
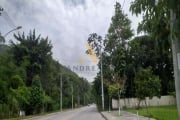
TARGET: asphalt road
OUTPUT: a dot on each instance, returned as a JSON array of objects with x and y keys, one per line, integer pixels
[{"x": 85, "y": 113}]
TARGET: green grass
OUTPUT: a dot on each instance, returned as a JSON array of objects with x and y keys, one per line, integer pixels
[{"x": 159, "y": 113}]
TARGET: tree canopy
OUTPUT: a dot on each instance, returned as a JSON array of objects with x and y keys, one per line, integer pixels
[
  {"x": 30, "y": 78},
  {"x": 125, "y": 57}
]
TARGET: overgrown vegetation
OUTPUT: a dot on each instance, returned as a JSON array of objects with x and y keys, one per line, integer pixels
[
  {"x": 30, "y": 78},
  {"x": 133, "y": 66},
  {"x": 139, "y": 62}
]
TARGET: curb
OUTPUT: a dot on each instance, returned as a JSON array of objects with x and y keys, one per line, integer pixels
[{"x": 103, "y": 116}]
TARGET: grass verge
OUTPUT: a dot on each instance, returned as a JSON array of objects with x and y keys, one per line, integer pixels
[{"x": 159, "y": 113}]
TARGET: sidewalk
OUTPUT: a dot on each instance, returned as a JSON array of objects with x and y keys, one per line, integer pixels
[{"x": 113, "y": 115}]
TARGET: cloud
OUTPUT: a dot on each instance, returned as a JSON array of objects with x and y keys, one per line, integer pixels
[{"x": 67, "y": 23}]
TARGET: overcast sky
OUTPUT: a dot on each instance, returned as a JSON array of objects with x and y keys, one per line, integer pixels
[{"x": 67, "y": 23}]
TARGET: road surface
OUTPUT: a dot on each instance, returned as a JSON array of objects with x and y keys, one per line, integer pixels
[{"x": 85, "y": 113}]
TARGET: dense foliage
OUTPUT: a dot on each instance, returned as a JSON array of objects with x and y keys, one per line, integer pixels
[
  {"x": 30, "y": 78},
  {"x": 129, "y": 62},
  {"x": 146, "y": 84},
  {"x": 132, "y": 66}
]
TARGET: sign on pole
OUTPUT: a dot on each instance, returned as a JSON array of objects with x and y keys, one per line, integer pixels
[{"x": 178, "y": 58}]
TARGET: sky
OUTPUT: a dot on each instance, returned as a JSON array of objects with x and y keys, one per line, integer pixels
[{"x": 67, "y": 23}]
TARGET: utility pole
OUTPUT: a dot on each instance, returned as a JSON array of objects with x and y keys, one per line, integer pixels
[
  {"x": 102, "y": 86},
  {"x": 96, "y": 43},
  {"x": 176, "y": 60},
  {"x": 60, "y": 93},
  {"x": 78, "y": 98},
  {"x": 72, "y": 94},
  {"x": 84, "y": 100}
]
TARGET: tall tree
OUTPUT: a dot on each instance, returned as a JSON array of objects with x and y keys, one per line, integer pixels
[
  {"x": 14, "y": 94},
  {"x": 163, "y": 14},
  {"x": 145, "y": 53},
  {"x": 36, "y": 97},
  {"x": 33, "y": 51},
  {"x": 116, "y": 44},
  {"x": 119, "y": 31}
]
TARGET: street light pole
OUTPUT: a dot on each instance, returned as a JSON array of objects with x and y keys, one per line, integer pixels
[
  {"x": 2, "y": 37},
  {"x": 102, "y": 86},
  {"x": 119, "y": 96},
  {"x": 61, "y": 92},
  {"x": 72, "y": 94},
  {"x": 112, "y": 69}
]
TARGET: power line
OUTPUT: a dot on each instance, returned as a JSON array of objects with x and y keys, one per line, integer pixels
[
  {"x": 5, "y": 15},
  {"x": 123, "y": 4},
  {"x": 8, "y": 19}
]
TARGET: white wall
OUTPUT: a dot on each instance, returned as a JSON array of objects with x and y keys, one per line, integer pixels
[{"x": 155, "y": 101}]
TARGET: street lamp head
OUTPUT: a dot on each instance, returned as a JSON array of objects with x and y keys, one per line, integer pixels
[{"x": 19, "y": 27}]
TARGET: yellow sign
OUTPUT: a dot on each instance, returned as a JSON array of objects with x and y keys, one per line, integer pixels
[{"x": 91, "y": 54}]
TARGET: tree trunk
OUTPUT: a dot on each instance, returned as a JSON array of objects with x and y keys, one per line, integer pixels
[
  {"x": 176, "y": 62},
  {"x": 146, "y": 107},
  {"x": 138, "y": 106}
]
